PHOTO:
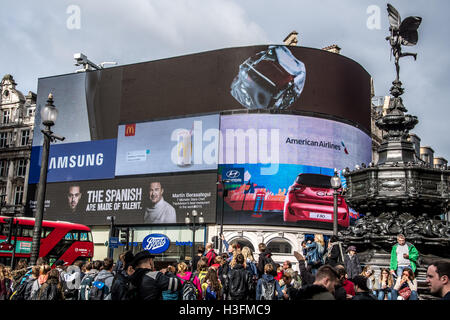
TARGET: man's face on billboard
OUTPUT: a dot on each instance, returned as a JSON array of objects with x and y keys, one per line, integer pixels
[
  {"x": 74, "y": 197},
  {"x": 155, "y": 192}
]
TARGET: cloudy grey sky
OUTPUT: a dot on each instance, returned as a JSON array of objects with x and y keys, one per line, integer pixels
[{"x": 39, "y": 39}]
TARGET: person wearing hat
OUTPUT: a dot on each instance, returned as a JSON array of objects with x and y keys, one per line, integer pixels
[
  {"x": 121, "y": 289},
  {"x": 362, "y": 292},
  {"x": 148, "y": 283},
  {"x": 351, "y": 262}
]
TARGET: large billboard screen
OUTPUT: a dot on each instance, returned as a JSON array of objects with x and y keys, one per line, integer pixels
[
  {"x": 184, "y": 144},
  {"x": 137, "y": 201},
  {"x": 92, "y": 104},
  {"x": 286, "y": 162}
]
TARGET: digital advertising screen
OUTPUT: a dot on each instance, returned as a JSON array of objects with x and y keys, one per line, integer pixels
[
  {"x": 93, "y": 104},
  {"x": 184, "y": 144},
  {"x": 90, "y": 160},
  {"x": 137, "y": 201},
  {"x": 285, "y": 163}
]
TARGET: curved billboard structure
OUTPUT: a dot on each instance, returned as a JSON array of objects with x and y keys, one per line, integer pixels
[{"x": 272, "y": 118}]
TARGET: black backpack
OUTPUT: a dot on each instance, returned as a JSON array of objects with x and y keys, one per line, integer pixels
[
  {"x": 188, "y": 289},
  {"x": 99, "y": 290},
  {"x": 123, "y": 289},
  {"x": 19, "y": 292},
  {"x": 48, "y": 291},
  {"x": 85, "y": 287}
]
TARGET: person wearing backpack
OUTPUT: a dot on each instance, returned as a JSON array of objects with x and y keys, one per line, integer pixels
[
  {"x": 238, "y": 281},
  {"x": 30, "y": 284},
  {"x": 265, "y": 257},
  {"x": 211, "y": 286},
  {"x": 121, "y": 286},
  {"x": 71, "y": 282},
  {"x": 268, "y": 287},
  {"x": 191, "y": 288},
  {"x": 51, "y": 289},
  {"x": 202, "y": 269},
  {"x": 315, "y": 251},
  {"x": 101, "y": 287},
  {"x": 92, "y": 269},
  {"x": 170, "y": 294},
  {"x": 335, "y": 252},
  {"x": 148, "y": 284}
]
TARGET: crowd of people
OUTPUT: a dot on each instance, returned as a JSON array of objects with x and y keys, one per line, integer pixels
[{"x": 325, "y": 272}]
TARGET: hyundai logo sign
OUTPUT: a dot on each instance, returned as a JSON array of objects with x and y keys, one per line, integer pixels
[
  {"x": 234, "y": 175},
  {"x": 156, "y": 243}
]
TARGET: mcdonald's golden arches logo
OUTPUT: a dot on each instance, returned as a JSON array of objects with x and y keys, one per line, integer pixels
[{"x": 130, "y": 130}]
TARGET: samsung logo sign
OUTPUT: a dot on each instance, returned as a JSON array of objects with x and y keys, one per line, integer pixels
[
  {"x": 76, "y": 161},
  {"x": 156, "y": 243}
]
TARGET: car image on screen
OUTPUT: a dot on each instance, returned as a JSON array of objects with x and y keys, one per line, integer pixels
[{"x": 310, "y": 198}]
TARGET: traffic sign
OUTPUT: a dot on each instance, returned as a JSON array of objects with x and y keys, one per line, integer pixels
[{"x": 114, "y": 242}]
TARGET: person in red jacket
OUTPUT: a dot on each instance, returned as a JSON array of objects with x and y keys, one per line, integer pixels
[
  {"x": 346, "y": 284},
  {"x": 210, "y": 254}
]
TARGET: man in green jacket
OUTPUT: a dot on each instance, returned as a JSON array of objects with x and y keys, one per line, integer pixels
[{"x": 403, "y": 255}]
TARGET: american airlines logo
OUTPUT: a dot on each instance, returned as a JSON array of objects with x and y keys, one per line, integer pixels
[{"x": 156, "y": 243}]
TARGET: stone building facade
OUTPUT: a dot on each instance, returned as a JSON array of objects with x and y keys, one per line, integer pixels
[{"x": 17, "y": 113}]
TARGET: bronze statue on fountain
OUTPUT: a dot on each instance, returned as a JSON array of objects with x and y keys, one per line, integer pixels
[{"x": 399, "y": 194}]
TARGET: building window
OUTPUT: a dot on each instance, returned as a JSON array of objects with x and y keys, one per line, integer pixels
[
  {"x": 18, "y": 195},
  {"x": 3, "y": 139},
  {"x": 25, "y": 138},
  {"x": 4, "y": 165},
  {"x": 30, "y": 112},
  {"x": 21, "y": 168},
  {"x": 243, "y": 243},
  {"x": 3, "y": 194},
  {"x": 279, "y": 246},
  {"x": 6, "y": 116}
]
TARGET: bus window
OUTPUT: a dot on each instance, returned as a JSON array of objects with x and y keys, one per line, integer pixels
[
  {"x": 46, "y": 232},
  {"x": 27, "y": 231},
  {"x": 75, "y": 236},
  {"x": 83, "y": 236},
  {"x": 68, "y": 236}
]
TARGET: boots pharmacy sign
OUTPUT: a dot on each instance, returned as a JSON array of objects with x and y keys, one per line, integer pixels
[{"x": 156, "y": 243}]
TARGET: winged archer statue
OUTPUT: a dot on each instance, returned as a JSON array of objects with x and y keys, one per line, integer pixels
[{"x": 403, "y": 33}]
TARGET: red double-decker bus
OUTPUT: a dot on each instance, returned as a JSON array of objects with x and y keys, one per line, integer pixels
[{"x": 60, "y": 240}]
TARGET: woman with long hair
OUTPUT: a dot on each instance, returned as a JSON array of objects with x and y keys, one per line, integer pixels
[
  {"x": 385, "y": 285},
  {"x": 6, "y": 282},
  {"x": 368, "y": 273},
  {"x": 315, "y": 252},
  {"x": 211, "y": 285},
  {"x": 185, "y": 275},
  {"x": 51, "y": 289},
  {"x": 405, "y": 287},
  {"x": 249, "y": 260}
]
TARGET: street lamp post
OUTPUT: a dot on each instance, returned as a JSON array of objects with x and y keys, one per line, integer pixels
[
  {"x": 194, "y": 227},
  {"x": 112, "y": 233},
  {"x": 335, "y": 184},
  {"x": 48, "y": 114},
  {"x": 224, "y": 194}
]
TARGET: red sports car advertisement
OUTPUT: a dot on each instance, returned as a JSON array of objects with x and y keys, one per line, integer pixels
[{"x": 277, "y": 169}]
